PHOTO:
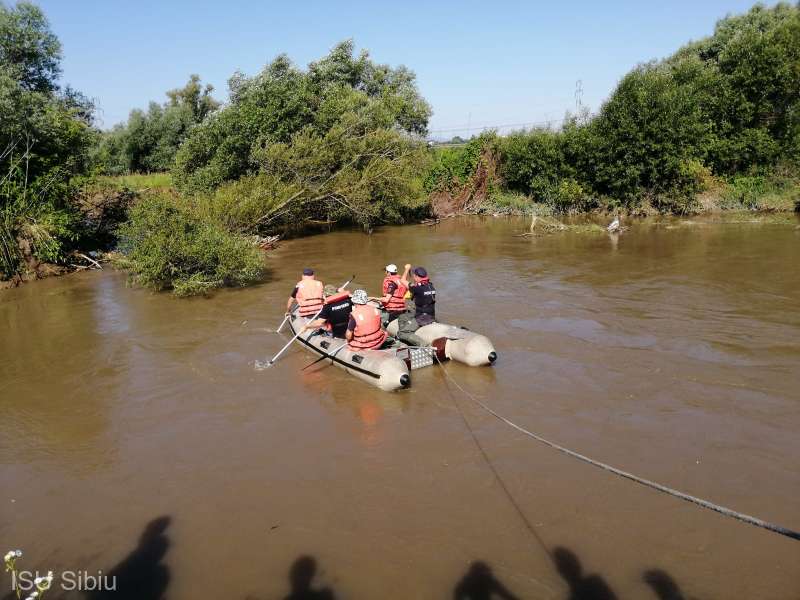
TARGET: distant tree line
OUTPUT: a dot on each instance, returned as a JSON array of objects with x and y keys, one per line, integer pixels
[
  {"x": 727, "y": 106},
  {"x": 150, "y": 139}
]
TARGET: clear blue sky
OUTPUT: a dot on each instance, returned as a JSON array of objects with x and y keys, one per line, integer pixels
[{"x": 477, "y": 63}]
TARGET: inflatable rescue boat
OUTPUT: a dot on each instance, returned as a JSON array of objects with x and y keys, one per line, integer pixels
[{"x": 389, "y": 368}]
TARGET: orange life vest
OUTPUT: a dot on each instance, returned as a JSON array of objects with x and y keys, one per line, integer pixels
[
  {"x": 368, "y": 333},
  {"x": 309, "y": 296},
  {"x": 337, "y": 297},
  {"x": 396, "y": 302}
]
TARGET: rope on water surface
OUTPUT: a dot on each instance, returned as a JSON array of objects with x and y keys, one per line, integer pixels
[
  {"x": 728, "y": 512},
  {"x": 485, "y": 456}
]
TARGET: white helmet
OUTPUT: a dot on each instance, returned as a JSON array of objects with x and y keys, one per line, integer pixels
[
  {"x": 360, "y": 297},
  {"x": 391, "y": 268}
]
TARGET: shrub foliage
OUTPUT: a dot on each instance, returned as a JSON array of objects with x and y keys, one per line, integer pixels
[
  {"x": 45, "y": 137},
  {"x": 165, "y": 246}
]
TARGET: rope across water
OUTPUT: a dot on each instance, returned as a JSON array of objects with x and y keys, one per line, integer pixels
[{"x": 640, "y": 480}]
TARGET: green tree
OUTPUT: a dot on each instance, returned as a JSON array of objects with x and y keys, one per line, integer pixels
[
  {"x": 282, "y": 100},
  {"x": 725, "y": 105},
  {"x": 195, "y": 97},
  {"x": 361, "y": 169},
  {"x": 748, "y": 87},
  {"x": 29, "y": 52},
  {"x": 150, "y": 139},
  {"x": 45, "y": 137},
  {"x": 646, "y": 133}
]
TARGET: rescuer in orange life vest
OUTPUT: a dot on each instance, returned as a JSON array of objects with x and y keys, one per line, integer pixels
[
  {"x": 364, "y": 329},
  {"x": 308, "y": 294},
  {"x": 335, "y": 313},
  {"x": 394, "y": 292}
]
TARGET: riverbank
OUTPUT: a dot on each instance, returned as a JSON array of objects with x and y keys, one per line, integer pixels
[
  {"x": 106, "y": 201},
  {"x": 723, "y": 198}
]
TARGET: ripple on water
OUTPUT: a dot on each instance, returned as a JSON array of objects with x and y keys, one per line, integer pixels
[{"x": 587, "y": 330}]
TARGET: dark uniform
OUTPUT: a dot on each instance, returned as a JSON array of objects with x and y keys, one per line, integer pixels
[
  {"x": 337, "y": 314},
  {"x": 424, "y": 296}
]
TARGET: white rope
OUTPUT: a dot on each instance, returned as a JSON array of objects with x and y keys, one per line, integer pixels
[{"x": 640, "y": 480}]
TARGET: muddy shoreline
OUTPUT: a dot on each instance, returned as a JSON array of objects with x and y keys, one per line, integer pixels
[{"x": 43, "y": 270}]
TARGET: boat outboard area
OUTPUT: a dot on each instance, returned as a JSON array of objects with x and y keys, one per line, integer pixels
[
  {"x": 454, "y": 343},
  {"x": 390, "y": 367}
]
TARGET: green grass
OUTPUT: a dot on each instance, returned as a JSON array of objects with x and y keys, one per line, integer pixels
[
  {"x": 509, "y": 201},
  {"x": 513, "y": 203},
  {"x": 777, "y": 192},
  {"x": 154, "y": 181},
  {"x": 782, "y": 201}
]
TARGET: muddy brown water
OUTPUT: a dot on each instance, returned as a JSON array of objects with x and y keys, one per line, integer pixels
[{"x": 672, "y": 352}]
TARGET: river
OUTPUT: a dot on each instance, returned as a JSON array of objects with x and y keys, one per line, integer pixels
[{"x": 671, "y": 352}]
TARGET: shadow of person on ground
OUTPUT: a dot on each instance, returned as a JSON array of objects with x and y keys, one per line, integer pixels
[
  {"x": 480, "y": 583},
  {"x": 581, "y": 587},
  {"x": 301, "y": 577},
  {"x": 663, "y": 585},
  {"x": 141, "y": 575}
]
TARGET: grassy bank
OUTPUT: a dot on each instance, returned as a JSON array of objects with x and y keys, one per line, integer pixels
[
  {"x": 747, "y": 193},
  {"x": 138, "y": 181}
]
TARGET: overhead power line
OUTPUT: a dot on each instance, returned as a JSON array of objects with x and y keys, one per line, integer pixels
[{"x": 547, "y": 123}]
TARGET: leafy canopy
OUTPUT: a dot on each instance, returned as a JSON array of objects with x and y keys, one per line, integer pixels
[
  {"x": 45, "y": 136},
  {"x": 29, "y": 52},
  {"x": 284, "y": 101},
  {"x": 150, "y": 139}
]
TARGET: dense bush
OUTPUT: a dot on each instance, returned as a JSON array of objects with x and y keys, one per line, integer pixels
[
  {"x": 451, "y": 168},
  {"x": 533, "y": 162},
  {"x": 45, "y": 136},
  {"x": 774, "y": 190},
  {"x": 165, "y": 246}
]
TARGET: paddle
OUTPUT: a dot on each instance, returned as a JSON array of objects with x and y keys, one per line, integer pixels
[
  {"x": 324, "y": 356},
  {"x": 289, "y": 343},
  {"x": 286, "y": 318}
]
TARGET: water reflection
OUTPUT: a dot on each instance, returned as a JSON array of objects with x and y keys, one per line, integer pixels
[
  {"x": 369, "y": 406},
  {"x": 58, "y": 372}
]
